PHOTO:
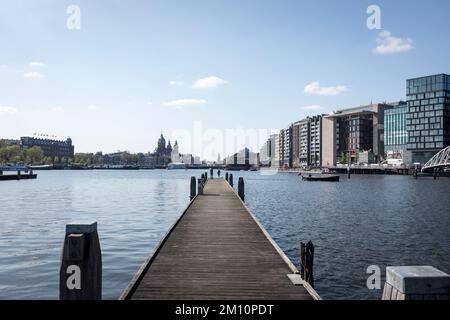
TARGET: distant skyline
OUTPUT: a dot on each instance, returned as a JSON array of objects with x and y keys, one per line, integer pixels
[{"x": 136, "y": 69}]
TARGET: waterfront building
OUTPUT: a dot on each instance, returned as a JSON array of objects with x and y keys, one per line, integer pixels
[
  {"x": 395, "y": 134},
  {"x": 285, "y": 147},
  {"x": 264, "y": 153},
  {"x": 275, "y": 150},
  {"x": 304, "y": 134},
  {"x": 10, "y": 142},
  {"x": 350, "y": 131},
  {"x": 306, "y": 148},
  {"x": 315, "y": 141},
  {"x": 428, "y": 116},
  {"x": 281, "y": 148},
  {"x": 287, "y": 154},
  {"x": 51, "y": 148}
]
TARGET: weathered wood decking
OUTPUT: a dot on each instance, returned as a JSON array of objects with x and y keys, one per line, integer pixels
[{"x": 217, "y": 250}]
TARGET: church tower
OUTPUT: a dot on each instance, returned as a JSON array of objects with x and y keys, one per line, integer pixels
[
  {"x": 161, "y": 149},
  {"x": 175, "y": 156}
]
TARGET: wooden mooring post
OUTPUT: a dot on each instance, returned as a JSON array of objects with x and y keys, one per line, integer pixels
[
  {"x": 307, "y": 261},
  {"x": 193, "y": 188},
  {"x": 226, "y": 176},
  {"x": 231, "y": 179},
  {"x": 416, "y": 283},
  {"x": 80, "y": 276},
  {"x": 241, "y": 188}
]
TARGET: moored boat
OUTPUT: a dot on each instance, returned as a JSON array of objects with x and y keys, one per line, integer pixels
[{"x": 322, "y": 177}]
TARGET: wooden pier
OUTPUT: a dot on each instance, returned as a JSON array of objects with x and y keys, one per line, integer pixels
[{"x": 218, "y": 250}]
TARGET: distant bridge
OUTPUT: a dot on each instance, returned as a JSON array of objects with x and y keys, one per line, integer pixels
[{"x": 440, "y": 161}]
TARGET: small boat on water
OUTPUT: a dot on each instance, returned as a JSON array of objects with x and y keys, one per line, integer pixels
[
  {"x": 321, "y": 177},
  {"x": 176, "y": 165}
]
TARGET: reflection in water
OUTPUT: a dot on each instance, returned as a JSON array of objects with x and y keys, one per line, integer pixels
[{"x": 382, "y": 220}]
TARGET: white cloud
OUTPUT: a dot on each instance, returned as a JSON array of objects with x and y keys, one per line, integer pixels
[
  {"x": 312, "y": 107},
  {"x": 185, "y": 102},
  {"x": 388, "y": 44},
  {"x": 315, "y": 88},
  {"x": 33, "y": 75},
  {"x": 58, "y": 109},
  {"x": 176, "y": 83},
  {"x": 93, "y": 107},
  {"x": 35, "y": 64},
  {"x": 209, "y": 82},
  {"x": 8, "y": 110}
]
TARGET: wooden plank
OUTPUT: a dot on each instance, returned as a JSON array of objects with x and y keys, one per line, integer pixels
[{"x": 217, "y": 250}]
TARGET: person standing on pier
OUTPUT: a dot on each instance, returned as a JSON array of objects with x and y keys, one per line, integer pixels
[
  {"x": 218, "y": 174},
  {"x": 211, "y": 173}
]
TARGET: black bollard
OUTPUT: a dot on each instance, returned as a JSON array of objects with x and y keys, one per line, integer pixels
[
  {"x": 193, "y": 187},
  {"x": 307, "y": 261},
  {"x": 80, "y": 276},
  {"x": 231, "y": 179},
  {"x": 241, "y": 192},
  {"x": 226, "y": 176},
  {"x": 18, "y": 174},
  {"x": 200, "y": 183}
]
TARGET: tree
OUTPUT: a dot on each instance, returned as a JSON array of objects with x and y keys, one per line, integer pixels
[
  {"x": 11, "y": 154},
  {"x": 34, "y": 155},
  {"x": 125, "y": 157}
]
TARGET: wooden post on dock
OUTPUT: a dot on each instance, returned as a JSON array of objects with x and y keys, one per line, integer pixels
[
  {"x": 193, "y": 187},
  {"x": 241, "y": 191},
  {"x": 435, "y": 174},
  {"x": 80, "y": 276},
  {"x": 226, "y": 176},
  {"x": 231, "y": 179},
  {"x": 416, "y": 283},
  {"x": 18, "y": 174},
  {"x": 200, "y": 185},
  {"x": 307, "y": 261},
  {"x": 1, "y": 172},
  {"x": 206, "y": 175}
]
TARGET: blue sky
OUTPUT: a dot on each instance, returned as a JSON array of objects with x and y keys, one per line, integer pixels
[{"x": 130, "y": 72}]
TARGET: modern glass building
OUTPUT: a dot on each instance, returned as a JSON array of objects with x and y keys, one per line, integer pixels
[
  {"x": 428, "y": 115},
  {"x": 395, "y": 134}
]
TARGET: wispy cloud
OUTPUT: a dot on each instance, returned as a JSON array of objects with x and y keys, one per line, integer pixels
[
  {"x": 175, "y": 83},
  {"x": 388, "y": 44},
  {"x": 58, "y": 109},
  {"x": 8, "y": 110},
  {"x": 315, "y": 88},
  {"x": 35, "y": 64},
  {"x": 209, "y": 82},
  {"x": 33, "y": 75},
  {"x": 93, "y": 107},
  {"x": 185, "y": 102},
  {"x": 312, "y": 107}
]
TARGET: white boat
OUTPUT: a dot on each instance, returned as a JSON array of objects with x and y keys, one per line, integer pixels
[
  {"x": 176, "y": 165},
  {"x": 41, "y": 167}
]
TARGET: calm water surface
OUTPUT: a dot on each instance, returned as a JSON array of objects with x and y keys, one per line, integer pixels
[{"x": 368, "y": 220}]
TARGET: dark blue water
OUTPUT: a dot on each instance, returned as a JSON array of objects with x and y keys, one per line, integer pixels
[{"x": 369, "y": 220}]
